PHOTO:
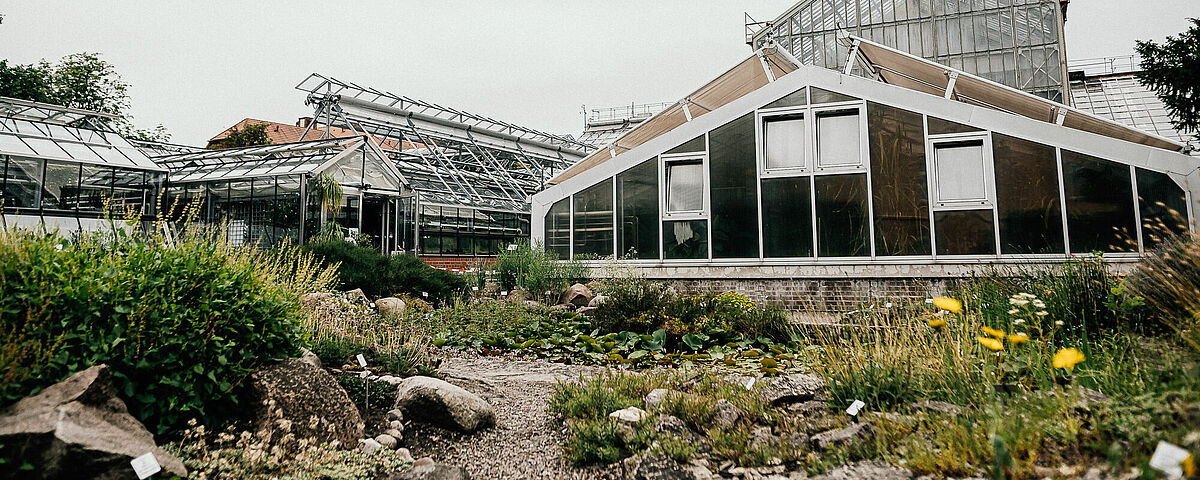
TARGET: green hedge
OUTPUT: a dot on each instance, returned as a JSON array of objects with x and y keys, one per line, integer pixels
[{"x": 382, "y": 275}]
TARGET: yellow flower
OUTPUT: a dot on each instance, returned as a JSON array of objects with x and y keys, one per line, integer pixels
[
  {"x": 1189, "y": 466},
  {"x": 937, "y": 322},
  {"x": 948, "y": 304},
  {"x": 993, "y": 332},
  {"x": 1067, "y": 358},
  {"x": 991, "y": 343},
  {"x": 1018, "y": 338}
]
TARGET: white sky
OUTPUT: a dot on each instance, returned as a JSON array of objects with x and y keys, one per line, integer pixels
[{"x": 198, "y": 67}]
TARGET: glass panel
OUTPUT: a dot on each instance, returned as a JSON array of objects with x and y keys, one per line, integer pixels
[
  {"x": 1027, "y": 196},
  {"x": 734, "y": 194},
  {"x": 594, "y": 220},
  {"x": 842, "y": 216},
  {"x": 558, "y": 228},
  {"x": 685, "y": 240},
  {"x": 961, "y": 172},
  {"x": 637, "y": 200},
  {"x": 22, "y": 184},
  {"x": 838, "y": 139},
  {"x": 938, "y": 126},
  {"x": 795, "y": 99},
  {"x": 693, "y": 145},
  {"x": 1099, "y": 196},
  {"x": 820, "y": 95},
  {"x": 129, "y": 190},
  {"x": 95, "y": 188},
  {"x": 685, "y": 186},
  {"x": 61, "y": 185},
  {"x": 1163, "y": 206},
  {"x": 898, "y": 181},
  {"x": 787, "y": 217},
  {"x": 287, "y": 214},
  {"x": 13, "y": 144},
  {"x": 965, "y": 232},
  {"x": 431, "y": 244},
  {"x": 783, "y": 142}
]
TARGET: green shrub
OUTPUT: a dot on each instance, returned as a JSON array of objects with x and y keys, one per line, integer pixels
[
  {"x": 379, "y": 275},
  {"x": 537, "y": 270},
  {"x": 180, "y": 321},
  {"x": 634, "y": 304},
  {"x": 378, "y": 396}
]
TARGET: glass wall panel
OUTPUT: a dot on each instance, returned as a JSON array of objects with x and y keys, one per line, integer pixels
[
  {"x": 61, "y": 185},
  {"x": 685, "y": 186},
  {"x": 734, "y": 196},
  {"x": 938, "y": 126},
  {"x": 22, "y": 182},
  {"x": 820, "y": 95},
  {"x": 1027, "y": 196},
  {"x": 842, "y": 216},
  {"x": 287, "y": 205},
  {"x": 95, "y": 188},
  {"x": 787, "y": 217},
  {"x": 262, "y": 212},
  {"x": 693, "y": 145},
  {"x": 637, "y": 207},
  {"x": 965, "y": 232},
  {"x": 1099, "y": 193},
  {"x": 795, "y": 99},
  {"x": 558, "y": 228},
  {"x": 685, "y": 240},
  {"x": 783, "y": 142},
  {"x": 1163, "y": 206},
  {"x": 594, "y": 220},
  {"x": 898, "y": 185},
  {"x": 838, "y": 139},
  {"x": 129, "y": 189}
]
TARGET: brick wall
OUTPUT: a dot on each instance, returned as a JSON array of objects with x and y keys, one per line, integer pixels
[
  {"x": 829, "y": 294},
  {"x": 458, "y": 263}
]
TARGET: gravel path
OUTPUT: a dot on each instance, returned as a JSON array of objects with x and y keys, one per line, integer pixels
[{"x": 526, "y": 442}]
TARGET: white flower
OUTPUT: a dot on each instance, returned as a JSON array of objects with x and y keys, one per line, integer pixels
[
  {"x": 1039, "y": 304},
  {"x": 1013, "y": 311},
  {"x": 1018, "y": 321},
  {"x": 1041, "y": 313},
  {"x": 1017, "y": 302},
  {"x": 1059, "y": 322}
]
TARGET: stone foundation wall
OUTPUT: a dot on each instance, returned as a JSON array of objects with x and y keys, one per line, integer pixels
[{"x": 829, "y": 295}]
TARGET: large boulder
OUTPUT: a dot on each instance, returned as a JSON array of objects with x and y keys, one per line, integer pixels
[
  {"x": 427, "y": 469},
  {"x": 873, "y": 469},
  {"x": 639, "y": 467},
  {"x": 794, "y": 388},
  {"x": 578, "y": 295},
  {"x": 429, "y": 400},
  {"x": 78, "y": 428},
  {"x": 295, "y": 397},
  {"x": 389, "y": 306}
]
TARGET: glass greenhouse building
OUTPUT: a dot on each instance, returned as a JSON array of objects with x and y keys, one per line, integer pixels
[{"x": 779, "y": 169}]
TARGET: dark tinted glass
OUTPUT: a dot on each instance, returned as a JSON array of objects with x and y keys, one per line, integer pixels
[
  {"x": 685, "y": 240},
  {"x": 965, "y": 232},
  {"x": 787, "y": 217},
  {"x": 1163, "y": 206},
  {"x": 22, "y": 182},
  {"x": 898, "y": 181},
  {"x": 61, "y": 185},
  {"x": 795, "y": 99},
  {"x": 1027, "y": 196},
  {"x": 938, "y": 126},
  {"x": 693, "y": 145},
  {"x": 733, "y": 178},
  {"x": 637, "y": 207},
  {"x": 594, "y": 220},
  {"x": 825, "y": 96},
  {"x": 842, "y": 216},
  {"x": 1099, "y": 197},
  {"x": 558, "y": 228}
]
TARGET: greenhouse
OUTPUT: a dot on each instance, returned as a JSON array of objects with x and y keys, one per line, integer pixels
[
  {"x": 64, "y": 168},
  {"x": 778, "y": 169}
]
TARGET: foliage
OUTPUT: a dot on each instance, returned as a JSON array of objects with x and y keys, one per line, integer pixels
[
  {"x": 635, "y": 304},
  {"x": 328, "y": 190},
  {"x": 1168, "y": 280},
  {"x": 338, "y": 330},
  {"x": 377, "y": 396},
  {"x": 180, "y": 321},
  {"x": 378, "y": 274},
  {"x": 537, "y": 270},
  {"x": 1171, "y": 69},
  {"x": 249, "y": 136},
  {"x": 27, "y": 82}
]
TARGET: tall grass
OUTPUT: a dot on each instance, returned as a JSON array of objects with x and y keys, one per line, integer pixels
[
  {"x": 538, "y": 271},
  {"x": 1169, "y": 280}
]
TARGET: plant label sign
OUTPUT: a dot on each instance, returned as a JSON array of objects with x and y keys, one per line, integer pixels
[
  {"x": 474, "y": 289},
  {"x": 855, "y": 407},
  {"x": 512, "y": 248},
  {"x": 425, "y": 294},
  {"x": 1168, "y": 458},
  {"x": 362, "y": 361},
  {"x": 145, "y": 466},
  {"x": 504, "y": 293}
]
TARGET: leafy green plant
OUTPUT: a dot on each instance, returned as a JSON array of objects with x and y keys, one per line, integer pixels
[
  {"x": 537, "y": 270},
  {"x": 634, "y": 304},
  {"x": 378, "y": 396},
  {"x": 378, "y": 274}
]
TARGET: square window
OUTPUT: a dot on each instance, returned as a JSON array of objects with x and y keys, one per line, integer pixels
[
  {"x": 685, "y": 186},
  {"x": 838, "y": 139},
  {"x": 783, "y": 142},
  {"x": 961, "y": 172}
]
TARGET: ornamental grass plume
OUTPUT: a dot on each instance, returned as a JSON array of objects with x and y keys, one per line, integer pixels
[
  {"x": 948, "y": 304},
  {"x": 1067, "y": 358},
  {"x": 991, "y": 343}
]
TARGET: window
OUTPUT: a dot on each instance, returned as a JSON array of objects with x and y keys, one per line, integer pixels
[
  {"x": 787, "y": 217},
  {"x": 685, "y": 185},
  {"x": 964, "y": 214},
  {"x": 692, "y": 146},
  {"x": 842, "y": 216},
  {"x": 797, "y": 98},
  {"x": 593, "y": 226},
  {"x": 898, "y": 189},
  {"x": 22, "y": 182},
  {"x": 1100, "y": 210},
  {"x": 783, "y": 142},
  {"x": 938, "y": 126},
  {"x": 637, "y": 211},
  {"x": 734, "y": 189},
  {"x": 961, "y": 172},
  {"x": 685, "y": 240},
  {"x": 558, "y": 228},
  {"x": 838, "y": 139},
  {"x": 61, "y": 185},
  {"x": 965, "y": 232},
  {"x": 1027, "y": 201},
  {"x": 1163, "y": 206}
]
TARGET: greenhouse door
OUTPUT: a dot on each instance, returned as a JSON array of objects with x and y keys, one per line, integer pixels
[{"x": 379, "y": 221}]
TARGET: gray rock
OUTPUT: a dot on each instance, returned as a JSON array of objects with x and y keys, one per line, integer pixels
[
  {"x": 655, "y": 398},
  {"x": 810, "y": 408},
  {"x": 1088, "y": 396},
  {"x": 597, "y": 301},
  {"x": 797, "y": 387},
  {"x": 798, "y": 441},
  {"x": 312, "y": 300},
  {"x": 875, "y": 470},
  {"x": 673, "y": 426},
  {"x": 295, "y": 397},
  {"x": 532, "y": 305},
  {"x": 78, "y": 428},
  {"x": 426, "y": 469},
  {"x": 578, "y": 295},
  {"x": 517, "y": 295},
  {"x": 562, "y": 308},
  {"x": 357, "y": 296},
  {"x": 726, "y": 414},
  {"x": 396, "y": 425},
  {"x": 396, "y": 433},
  {"x": 629, "y": 415},
  {"x": 386, "y": 440},
  {"x": 833, "y": 438},
  {"x": 307, "y": 356},
  {"x": 640, "y": 467},
  {"x": 429, "y": 400},
  {"x": 395, "y": 415},
  {"x": 761, "y": 437},
  {"x": 369, "y": 445},
  {"x": 586, "y": 310},
  {"x": 935, "y": 406},
  {"x": 404, "y": 454},
  {"x": 390, "y": 306}
]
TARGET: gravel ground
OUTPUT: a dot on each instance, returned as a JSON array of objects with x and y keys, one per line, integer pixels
[{"x": 526, "y": 442}]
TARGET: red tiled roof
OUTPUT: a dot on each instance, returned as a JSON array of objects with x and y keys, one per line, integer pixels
[{"x": 285, "y": 133}]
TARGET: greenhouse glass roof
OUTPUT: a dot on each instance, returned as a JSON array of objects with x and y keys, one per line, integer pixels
[{"x": 41, "y": 130}]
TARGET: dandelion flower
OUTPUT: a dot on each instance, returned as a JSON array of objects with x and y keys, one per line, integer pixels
[
  {"x": 937, "y": 322},
  {"x": 1018, "y": 338},
  {"x": 993, "y": 332},
  {"x": 1067, "y": 358},
  {"x": 1189, "y": 466},
  {"x": 991, "y": 343},
  {"x": 948, "y": 304}
]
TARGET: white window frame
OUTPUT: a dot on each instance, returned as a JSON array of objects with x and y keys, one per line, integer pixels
[
  {"x": 989, "y": 172},
  {"x": 863, "y": 139},
  {"x": 663, "y": 169},
  {"x": 760, "y": 137}
]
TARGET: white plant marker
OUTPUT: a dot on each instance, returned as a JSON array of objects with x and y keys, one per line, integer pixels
[
  {"x": 504, "y": 293},
  {"x": 474, "y": 289},
  {"x": 145, "y": 466},
  {"x": 512, "y": 248},
  {"x": 425, "y": 294},
  {"x": 855, "y": 407},
  {"x": 362, "y": 361},
  {"x": 1168, "y": 458}
]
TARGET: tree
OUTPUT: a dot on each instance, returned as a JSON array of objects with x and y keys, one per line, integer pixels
[
  {"x": 27, "y": 82},
  {"x": 251, "y": 135},
  {"x": 1172, "y": 70}
]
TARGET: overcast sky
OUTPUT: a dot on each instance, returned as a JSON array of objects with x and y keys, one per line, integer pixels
[{"x": 198, "y": 67}]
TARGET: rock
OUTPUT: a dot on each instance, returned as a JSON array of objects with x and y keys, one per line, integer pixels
[
  {"x": 934, "y": 406},
  {"x": 396, "y": 425},
  {"x": 295, "y": 397},
  {"x": 390, "y": 306},
  {"x": 761, "y": 437},
  {"x": 640, "y": 467},
  {"x": 842, "y": 436},
  {"x": 810, "y": 408},
  {"x": 357, "y": 296},
  {"x": 626, "y": 433},
  {"x": 395, "y": 415},
  {"x": 429, "y": 400},
  {"x": 586, "y": 310},
  {"x": 655, "y": 398},
  {"x": 386, "y": 440},
  {"x": 312, "y": 300},
  {"x": 726, "y": 414},
  {"x": 1088, "y": 396},
  {"x": 307, "y": 356},
  {"x": 78, "y": 428},
  {"x": 798, "y": 441},
  {"x": 404, "y": 454},
  {"x": 673, "y": 426},
  {"x": 894, "y": 418},
  {"x": 562, "y": 308},
  {"x": 532, "y": 305},
  {"x": 394, "y": 432},
  {"x": 629, "y": 415},
  {"x": 597, "y": 301},
  {"x": 426, "y": 469},
  {"x": 391, "y": 380},
  {"x": 875, "y": 470},
  {"x": 578, "y": 295},
  {"x": 368, "y": 445},
  {"x": 798, "y": 387},
  {"x": 423, "y": 462}
]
